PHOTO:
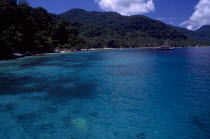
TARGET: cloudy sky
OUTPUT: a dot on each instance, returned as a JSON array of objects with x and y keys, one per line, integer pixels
[{"x": 191, "y": 14}]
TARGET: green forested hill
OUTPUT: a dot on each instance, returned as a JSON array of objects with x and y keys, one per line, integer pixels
[
  {"x": 202, "y": 34},
  {"x": 112, "y": 29},
  {"x": 24, "y": 29}
]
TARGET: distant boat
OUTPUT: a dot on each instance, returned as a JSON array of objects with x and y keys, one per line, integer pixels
[{"x": 166, "y": 47}]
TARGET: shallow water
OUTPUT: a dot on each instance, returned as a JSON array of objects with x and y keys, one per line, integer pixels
[{"x": 109, "y": 94}]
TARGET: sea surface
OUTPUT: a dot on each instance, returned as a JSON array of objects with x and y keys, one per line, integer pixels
[{"x": 107, "y": 94}]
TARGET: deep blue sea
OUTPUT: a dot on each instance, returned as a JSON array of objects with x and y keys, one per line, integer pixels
[{"x": 107, "y": 94}]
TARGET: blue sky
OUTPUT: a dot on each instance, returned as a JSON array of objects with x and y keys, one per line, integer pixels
[{"x": 175, "y": 12}]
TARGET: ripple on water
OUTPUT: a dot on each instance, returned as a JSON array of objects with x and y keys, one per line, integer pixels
[{"x": 116, "y": 94}]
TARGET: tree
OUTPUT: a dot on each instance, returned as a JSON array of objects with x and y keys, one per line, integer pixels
[
  {"x": 23, "y": 2},
  {"x": 10, "y": 2},
  {"x": 61, "y": 32}
]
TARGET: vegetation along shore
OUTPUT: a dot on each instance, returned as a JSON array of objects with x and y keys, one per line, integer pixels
[{"x": 33, "y": 31}]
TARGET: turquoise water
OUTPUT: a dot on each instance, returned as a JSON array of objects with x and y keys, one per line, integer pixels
[{"x": 108, "y": 94}]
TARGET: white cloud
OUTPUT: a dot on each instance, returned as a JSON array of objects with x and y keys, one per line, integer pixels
[
  {"x": 127, "y": 7},
  {"x": 200, "y": 17}
]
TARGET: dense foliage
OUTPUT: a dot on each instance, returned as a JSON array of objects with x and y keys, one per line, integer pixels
[
  {"x": 24, "y": 29},
  {"x": 33, "y": 30},
  {"x": 202, "y": 34},
  {"x": 109, "y": 29}
]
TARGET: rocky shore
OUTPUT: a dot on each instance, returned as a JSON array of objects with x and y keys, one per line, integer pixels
[{"x": 20, "y": 55}]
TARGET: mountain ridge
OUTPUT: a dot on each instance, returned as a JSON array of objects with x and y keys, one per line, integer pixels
[
  {"x": 143, "y": 25},
  {"x": 202, "y": 34},
  {"x": 111, "y": 26}
]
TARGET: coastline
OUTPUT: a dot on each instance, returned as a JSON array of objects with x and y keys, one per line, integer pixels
[{"x": 21, "y": 55}]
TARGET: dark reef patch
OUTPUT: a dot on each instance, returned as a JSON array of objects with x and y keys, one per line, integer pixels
[
  {"x": 76, "y": 111},
  {"x": 46, "y": 127},
  {"x": 119, "y": 66},
  {"x": 94, "y": 114},
  {"x": 51, "y": 110},
  {"x": 28, "y": 117},
  {"x": 141, "y": 135},
  {"x": 127, "y": 73},
  {"x": 66, "y": 121},
  {"x": 6, "y": 107},
  {"x": 202, "y": 123},
  {"x": 60, "y": 95}
]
